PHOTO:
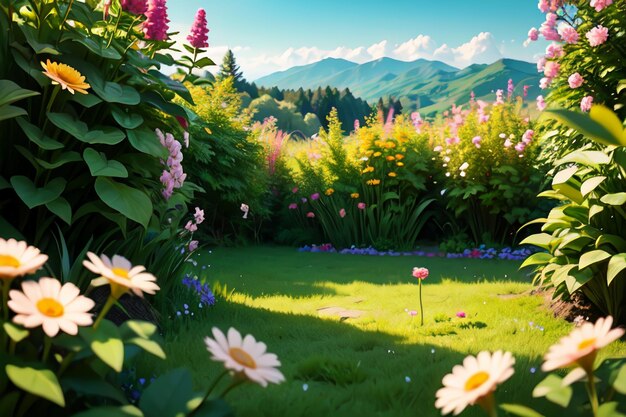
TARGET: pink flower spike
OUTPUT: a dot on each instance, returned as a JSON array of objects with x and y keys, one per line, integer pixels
[
  {"x": 585, "y": 103},
  {"x": 575, "y": 80},
  {"x": 198, "y": 38},
  {"x": 420, "y": 273},
  {"x": 155, "y": 27},
  {"x": 342, "y": 213},
  {"x": 598, "y": 35},
  {"x": 137, "y": 7}
]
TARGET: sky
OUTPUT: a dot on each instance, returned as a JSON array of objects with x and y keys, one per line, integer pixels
[{"x": 274, "y": 35}]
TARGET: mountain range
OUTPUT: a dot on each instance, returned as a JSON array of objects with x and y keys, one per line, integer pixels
[{"x": 430, "y": 86}]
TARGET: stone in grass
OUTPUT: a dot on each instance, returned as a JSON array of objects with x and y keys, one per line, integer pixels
[{"x": 340, "y": 312}]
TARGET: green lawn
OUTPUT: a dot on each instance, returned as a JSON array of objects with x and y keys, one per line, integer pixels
[{"x": 381, "y": 363}]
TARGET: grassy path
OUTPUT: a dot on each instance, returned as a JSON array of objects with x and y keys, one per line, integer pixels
[{"x": 382, "y": 362}]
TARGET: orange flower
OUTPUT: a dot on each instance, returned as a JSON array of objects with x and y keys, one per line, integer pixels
[
  {"x": 65, "y": 76},
  {"x": 400, "y": 164},
  {"x": 368, "y": 169},
  {"x": 390, "y": 158},
  {"x": 390, "y": 145},
  {"x": 399, "y": 156},
  {"x": 354, "y": 195},
  {"x": 373, "y": 182},
  {"x": 330, "y": 191},
  {"x": 392, "y": 174}
]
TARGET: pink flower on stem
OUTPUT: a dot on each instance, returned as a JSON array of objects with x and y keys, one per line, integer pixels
[
  {"x": 586, "y": 103},
  {"x": 575, "y": 80},
  {"x": 541, "y": 103},
  {"x": 293, "y": 206},
  {"x": 361, "y": 206},
  {"x": 510, "y": 89},
  {"x": 598, "y": 35},
  {"x": 134, "y": 6},
  {"x": 420, "y": 273},
  {"x": 199, "y": 215},
  {"x": 245, "y": 208},
  {"x": 569, "y": 34},
  {"x": 193, "y": 245},
  {"x": 315, "y": 196},
  {"x": 520, "y": 147},
  {"x": 199, "y": 31},
  {"x": 155, "y": 27},
  {"x": 342, "y": 213},
  {"x": 294, "y": 190},
  {"x": 310, "y": 215},
  {"x": 527, "y": 137},
  {"x": 191, "y": 226},
  {"x": 599, "y": 5}
]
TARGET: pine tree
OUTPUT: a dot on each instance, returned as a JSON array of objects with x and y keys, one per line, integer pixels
[{"x": 229, "y": 68}]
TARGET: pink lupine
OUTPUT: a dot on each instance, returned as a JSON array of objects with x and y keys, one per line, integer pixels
[
  {"x": 541, "y": 103},
  {"x": 575, "y": 80},
  {"x": 357, "y": 125},
  {"x": 569, "y": 34},
  {"x": 417, "y": 121},
  {"x": 551, "y": 69},
  {"x": 199, "y": 31},
  {"x": 510, "y": 89},
  {"x": 137, "y": 7},
  {"x": 586, "y": 103},
  {"x": 499, "y": 96},
  {"x": 533, "y": 34},
  {"x": 599, "y": 5},
  {"x": 598, "y": 35},
  {"x": 155, "y": 27}
]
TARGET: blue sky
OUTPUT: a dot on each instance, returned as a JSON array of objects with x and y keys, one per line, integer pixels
[{"x": 274, "y": 35}]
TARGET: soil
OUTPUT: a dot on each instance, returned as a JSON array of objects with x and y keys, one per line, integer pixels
[{"x": 578, "y": 306}]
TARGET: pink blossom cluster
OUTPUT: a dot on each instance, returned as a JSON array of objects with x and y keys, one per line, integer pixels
[
  {"x": 548, "y": 28},
  {"x": 134, "y": 6},
  {"x": 499, "y": 97},
  {"x": 597, "y": 36},
  {"x": 357, "y": 125},
  {"x": 417, "y": 121},
  {"x": 599, "y": 5},
  {"x": 482, "y": 116},
  {"x": 198, "y": 218},
  {"x": 173, "y": 177},
  {"x": 549, "y": 5},
  {"x": 568, "y": 34},
  {"x": 541, "y": 103},
  {"x": 510, "y": 88},
  {"x": 198, "y": 38},
  {"x": 155, "y": 26},
  {"x": 420, "y": 273}
]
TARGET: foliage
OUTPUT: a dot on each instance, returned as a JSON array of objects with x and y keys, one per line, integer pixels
[{"x": 584, "y": 235}]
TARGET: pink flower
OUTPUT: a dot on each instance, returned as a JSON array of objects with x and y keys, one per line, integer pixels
[
  {"x": 510, "y": 88},
  {"x": 541, "y": 103},
  {"x": 294, "y": 190},
  {"x": 598, "y": 35},
  {"x": 199, "y": 215},
  {"x": 601, "y": 4},
  {"x": 155, "y": 27},
  {"x": 420, "y": 273},
  {"x": 412, "y": 313},
  {"x": 476, "y": 141},
  {"x": 199, "y": 31},
  {"x": 520, "y": 147},
  {"x": 342, "y": 213},
  {"x": 499, "y": 94},
  {"x": 569, "y": 34},
  {"x": 193, "y": 245},
  {"x": 315, "y": 196},
  {"x": 585, "y": 103},
  {"x": 544, "y": 6},
  {"x": 548, "y": 30},
  {"x": 245, "y": 208},
  {"x": 460, "y": 314},
  {"x": 452, "y": 141},
  {"x": 551, "y": 69},
  {"x": 310, "y": 215},
  {"x": 293, "y": 206},
  {"x": 533, "y": 34},
  {"x": 508, "y": 143},
  {"x": 361, "y": 206},
  {"x": 541, "y": 64},
  {"x": 575, "y": 80},
  {"x": 134, "y": 6},
  {"x": 526, "y": 87},
  {"x": 438, "y": 148},
  {"x": 190, "y": 226},
  {"x": 554, "y": 50},
  {"x": 527, "y": 137}
]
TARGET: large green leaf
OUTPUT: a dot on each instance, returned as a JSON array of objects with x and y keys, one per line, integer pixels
[
  {"x": 89, "y": 383},
  {"x": 130, "y": 202},
  {"x": 610, "y": 410},
  {"x": 592, "y": 257},
  {"x": 125, "y": 119},
  {"x": 60, "y": 160},
  {"x": 37, "y": 136},
  {"x": 584, "y": 124},
  {"x": 168, "y": 395},
  {"x": 141, "y": 333},
  {"x": 33, "y": 196},
  {"x": 106, "y": 135},
  {"x": 61, "y": 208},
  {"x": 146, "y": 141},
  {"x": 106, "y": 343},
  {"x": 156, "y": 100},
  {"x": 124, "y": 411},
  {"x": 17, "y": 334},
  {"x": 615, "y": 199},
  {"x": 588, "y": 158},
  {"x": 591, "y": 184},
  {"x": 552, "y": 388},
  {"x": 96, "y": 44},
  {"x": 10, "y": 112},
  {"x": 618, "y": 242},
  {"x": 11, "y": 92},
  {"x": 520, "y": 410},
  {"x": 617, "y": 264},
  {"x": 619, "y": 384},
  {"x": 539, "y": 258},
  {"x": 540, "y": 239},
  {"x": 40, "y": 382},
  {"x": 100, "y": 166}
]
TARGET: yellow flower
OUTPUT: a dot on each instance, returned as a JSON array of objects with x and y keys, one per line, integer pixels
[
  {"x": 377, "y": 154},
  {"x": 330, "y": 191},
  {"x": 399, "y": 156},
  {"x": 390, "y": 158},
  {"x": 368, "y": 169},
  {"x": 373, "y": 182},
  {"x": 392, "y": 174},
  {"x": 354, "y": 195},
  {"x": 391, "y": 145},
  {"x": 65, "y": 76},
  {"x": 400, "y": 164}
]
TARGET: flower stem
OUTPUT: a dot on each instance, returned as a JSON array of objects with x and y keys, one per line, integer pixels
[
  {"x": 107, "y": 306},
  {"x": 593, "y": 395},
  {"x": 195, "y": 55},
  {"x": 6, "y": 285},
  {"x": 488, "y": 403},
  {"x": 211, "y": 388},
  {"x": 47, "y": 344},
  {"x": 421, "y": 306},
  {"x": 232, "y": 386}
]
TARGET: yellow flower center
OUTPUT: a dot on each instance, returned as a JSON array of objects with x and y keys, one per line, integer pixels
[
  {"x": 476, "y": 380},
  {"x": 50, "y": 307},
  {"x": 242, "y": 357},
  {"x": 586, "y": 343},
  {"x": 7, "y": 260},
  {"x": 120, "y": 272}
]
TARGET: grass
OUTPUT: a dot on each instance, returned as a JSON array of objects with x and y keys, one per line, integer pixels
[{"x": 382, "y": 363}]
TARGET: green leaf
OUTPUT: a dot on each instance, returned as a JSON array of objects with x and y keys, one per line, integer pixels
[
  {"x": 168, "y": 395},
  {"x": 40, "y": 382},
  {"x": 124, "y": 411},
  {"x": 585, "y": 125},
  {"x": 607, "y": 118},
  {"x": 32, "y": 37},
  {"x": 590, "y": 185},
  {"x": 588, "y": 158},
  {"x": 97, "y": 45},
  {"x": 620, "y": 380},
  {"x": 99, "y": 166},
  {"x": 150, "y": 346},
  {"x": 106, "y": 343},
  {"x": 127, "y": 120},
  {"x": 615, "y": 199},
  {"x": 17, "y": 334},
  {"x": 146, "y": 141},
  {"x": 130, "y": 202},
  {"x": 617, "y": 264},
  {"x": 33, "y": 196},
  {"x": 204, "y": 62},
  {"x": 173, "y": 85},
  {"x": 617, "y": 242},
  {"x": 86, "y": 100},
  {"x": 61, "y": 208},
  {"x": 157, "y": 101},
  {"x": 592, "y": 257},
  {"x": 538, "y": 258},
  {"x": 89, "y": 383},
  {"x": 38, "y": 137},
  {"x": 4, "y": 184},
  {"x": 142, "y": 329},
  {"x": 60, "y": 160},
  {"x": 8, "y": 402},
  {"x": 551, "y": 388},
  {"x": 10, "y": 112},
  {"x": 576, "y": 279},
  {"x": 11, "y": 92},
  {"x": 106, "y": 135},
  {"x": 520, "y": 410},
  {"x": 540, "y": 239},
  {"x": 609, "y": 410},
  {"x": 210, "y": 408}
]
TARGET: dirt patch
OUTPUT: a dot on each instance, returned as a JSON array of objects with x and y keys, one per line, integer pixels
[
  {"x": 576, "y": 309},
  {"x": 340, "y": 312}
]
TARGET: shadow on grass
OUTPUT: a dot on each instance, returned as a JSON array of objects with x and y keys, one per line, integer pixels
[{"x": 332, "y": 368}]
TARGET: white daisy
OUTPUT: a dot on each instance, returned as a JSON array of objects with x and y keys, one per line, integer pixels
[
  {"x": 121, "y": 275},
  {"x": 246, "y": 356},
  {"x": 474, "y": 381},
  {"x": 581, "y": 345},
  {"x": 18, "y": 259},
  {"x": 48, "y": 304}
]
